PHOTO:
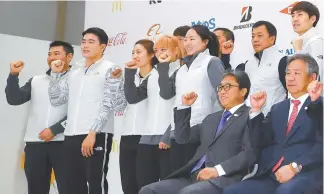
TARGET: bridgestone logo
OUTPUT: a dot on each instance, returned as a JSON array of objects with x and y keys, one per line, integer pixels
[{"x": 243, "y": 26}]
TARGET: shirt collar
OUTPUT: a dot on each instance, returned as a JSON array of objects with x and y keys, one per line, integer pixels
[
  {"x": 302, "y": 98},
  {"x": 308, "y": 35},
  {"x": 99, "y": 61},
  {"x": 235, "y": 108},
  {"x": 266, "y": 53}
]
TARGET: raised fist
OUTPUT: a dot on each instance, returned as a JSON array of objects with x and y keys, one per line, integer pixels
[
  {"x": 189, "y": 98},
  {"x": 57, "y": 66},
  {"x": 165, "y": 57},
  {"x": 315, "y": 89},
  {"x": 116, "y": 73},
  {"x": 227, "y": 47},
  {"x": 16, "y": 67},
  {"x": 131, "y": 65},
  {"x": 298, "y": 43},
  {"x": 258, "y": 100}
]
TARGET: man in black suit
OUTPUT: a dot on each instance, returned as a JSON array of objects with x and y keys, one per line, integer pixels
[{"x": 225, "y": 152}]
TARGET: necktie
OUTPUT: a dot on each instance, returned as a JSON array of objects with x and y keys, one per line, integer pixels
[
  {"x": 221, "y": 124},
  {"x": 291, "y": 121}
]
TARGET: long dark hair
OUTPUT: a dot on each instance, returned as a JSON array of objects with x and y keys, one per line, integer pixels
[
  {"x": 149, "y": 47},
  {"x": 205, "y": 34}
]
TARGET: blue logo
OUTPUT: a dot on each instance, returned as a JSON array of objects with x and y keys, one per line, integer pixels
[
  {"x": 289, "y": 51},
  {"x": 210, "y": 24}
]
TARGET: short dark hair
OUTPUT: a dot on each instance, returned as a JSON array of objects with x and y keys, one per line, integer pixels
[
  {"x": 309, "y": 8},
  {"x": 149, "y": 47},
  {"x": 68, "y": 48},
  {"x": 205, "y": 34},
  {"x": 272, "y": 30},
  {"x": 100, "y": 33},
  {"x": 229, "y": 35},
  {"x": 242, "y": 79},
  {"x": 181, "y": 31}
]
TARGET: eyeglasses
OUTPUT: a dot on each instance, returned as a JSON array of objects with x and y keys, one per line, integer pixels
[{"x": 226, "y": 87}]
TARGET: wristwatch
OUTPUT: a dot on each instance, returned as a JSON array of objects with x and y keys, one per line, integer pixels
[{"x": 295, "y": 167}]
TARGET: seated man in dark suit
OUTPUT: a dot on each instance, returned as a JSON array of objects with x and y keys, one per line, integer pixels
[
  {"x": 225, "y": 152},
  {"x": 293, "y": 160}
]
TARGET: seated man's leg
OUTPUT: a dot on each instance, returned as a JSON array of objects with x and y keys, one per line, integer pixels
[
  {"x": 170, "y": 186},
  {"x": 201, "y": 187},
  {"x": 264, "y": 186},
  {"x": 303, "y": 183}
]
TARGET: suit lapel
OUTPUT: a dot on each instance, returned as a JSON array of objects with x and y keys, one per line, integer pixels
[
  {"x": 231, "y": 120},
  {"x": 300, "y": 118},
  {"x": 215, "y": 123}
]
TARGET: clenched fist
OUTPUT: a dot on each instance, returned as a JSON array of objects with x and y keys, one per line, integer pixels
[
  {"x": 227, "y": 47},
  {"x": 258, "y": 100},
  {"x": 116, "y": 73},
  {"x": 297, "y": 44},
  {"x": 131, "y": 65},
  {"x": 16, "y": 67},
  {"x": 189, "y": 98},
  {"x": 165, "y": 57},
  {"x": 57, "y": 66},
  {"x": 315, "y": 89}
]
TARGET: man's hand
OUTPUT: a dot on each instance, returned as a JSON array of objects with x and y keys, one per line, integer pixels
[
  {"x": 298, "y": 44},
  {"x": 131, "y": 65},
  {"x": 88, "y": 143},
  {"x": 315, "y": 89},
  {"x": 46, "y": 135},
  {"x": 207, "y": 173},
  {"x": 57, "y": 66},
  {"x": 165, "y": 57},
  {"x": 16, "y": 67},
  {"x": 227, "y": 47},
  {"x": 189, "y": 98},
  {"x": 257, "y": 101},
  {"x": 163, "y": 146},
  {"x": 116, "y": 74},
  {"x": 285, "y": 174}
]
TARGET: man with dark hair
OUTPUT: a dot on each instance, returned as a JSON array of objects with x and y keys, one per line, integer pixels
[
  {"x": 291, "y": 161},
  {"x": 43, "y": 150},
  {"x": 266, "y": 68},
  {"x": 226, "y": 41},
  {"x": 305, "y": 17},
  {"x": 225, "y": 152},
  {"x": 94, "y": 95}
]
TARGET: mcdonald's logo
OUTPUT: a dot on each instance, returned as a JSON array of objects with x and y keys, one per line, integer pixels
[{"x": 116, "y": 6}]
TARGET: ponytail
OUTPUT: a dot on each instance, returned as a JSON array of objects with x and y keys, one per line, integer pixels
[{"x": 213, "y": 45}]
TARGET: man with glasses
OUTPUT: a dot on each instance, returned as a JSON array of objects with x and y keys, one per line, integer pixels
[{"x": 225, "y": 151}]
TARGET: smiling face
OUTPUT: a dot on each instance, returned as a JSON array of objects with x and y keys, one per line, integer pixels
[
  {"x": 91, "y": 47},
  {"x": 58, "y": 53},
  {"x": 229, "y": 92},
  {"x": 141, "y": 56},
  {"x": 193, "y": 43}
]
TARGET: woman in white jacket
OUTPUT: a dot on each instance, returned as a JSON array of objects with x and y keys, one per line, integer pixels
[
  {"x": 134, "y": 120},
  {"x": 152, "y": 163},
  {"x": 202, "y": 72}
]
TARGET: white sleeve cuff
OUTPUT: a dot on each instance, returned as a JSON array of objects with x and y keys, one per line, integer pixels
[
  {"x": 179, "y": 107},
  {"x": 220, "y": 170},
  {"x": 254, "y": 114}
]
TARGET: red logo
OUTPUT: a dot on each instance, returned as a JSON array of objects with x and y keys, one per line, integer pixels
[
  {"x": 288, "y": 9},
  {"x": 119, "y": 114},
  {"x": 119, "y": 39}
]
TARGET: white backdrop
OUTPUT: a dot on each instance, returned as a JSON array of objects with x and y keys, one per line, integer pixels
[
  {"x": 130, "y": 21},
  {"x": 126, "y": 22}
]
